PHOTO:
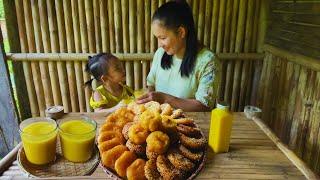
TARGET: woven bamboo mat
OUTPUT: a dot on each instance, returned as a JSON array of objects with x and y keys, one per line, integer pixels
[{"x": 60, "y": 167}]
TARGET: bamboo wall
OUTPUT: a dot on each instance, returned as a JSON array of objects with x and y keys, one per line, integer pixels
[
  {"x": 123, "y": 26},
  {"x": 289, "y": 94}
]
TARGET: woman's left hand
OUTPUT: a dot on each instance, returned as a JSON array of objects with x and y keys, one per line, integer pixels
[{"x": 152, "y": 96}]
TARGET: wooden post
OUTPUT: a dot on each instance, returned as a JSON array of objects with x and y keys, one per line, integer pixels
[{"x": 14, "y": 42}]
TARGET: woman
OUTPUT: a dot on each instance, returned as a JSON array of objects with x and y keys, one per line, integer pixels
[{"x": 182, "y": 71}]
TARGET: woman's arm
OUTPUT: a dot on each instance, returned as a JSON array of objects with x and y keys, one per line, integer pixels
[{"x": 184, "y": 104}]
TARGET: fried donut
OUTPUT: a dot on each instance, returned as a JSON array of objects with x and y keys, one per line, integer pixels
[
  {"x": 193, "y": 143},
  {"x": 137, "y": 134},
  {"x": 158, "y": 142},
  {"x": 150, "y": 170},
  {"x": 151, "y": 155},
  {"x": 168, "y": 124},
  {"x": 184, "y": 121},
  {"x": 123, "y": 162},
  {"x": 140, "y": 150},
  {"x": 117, "y": 120},
  {"x": 136, "y": 108},
  {"x": 153, "y": 106},
  {"x": 106, "y": 145},
  {"x": 179, "y": 161},
  {"x": 108, "y": 135},
  {"x": 125, "y": 129},
  {"x": 150, "y": 120},
  {"x": 109, "y": 127},
  {"x": 166, "y": 109},
  {"x": 177, "y": 113},
  {"x": 109, "y": 157},
  {"x": 189, "y": 131},
  {"x": 194, "y": 156},
  {"x": 125, "y": 113},
  {"x": 136, "y": 170},
  {"x": 167, "y": 170}
]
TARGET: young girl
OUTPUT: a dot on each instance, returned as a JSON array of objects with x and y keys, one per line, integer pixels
[{"x": 109, "y": 71}]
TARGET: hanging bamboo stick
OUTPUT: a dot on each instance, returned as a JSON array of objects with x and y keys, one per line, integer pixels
[
  {"x": 214, "y": 25},
  {"x": 117, "y": 25},
  {"x": 201, "y": 25},
  {"x": 71, "y": 48},
  {"x": 238, "y": 48},
  {"x": 104, "y": 25},
  {"x": 26, "y": 66},
  {"x": 137, "y": 65},
  {"x": 153, "y": 41},
  {"x": 54, "y": 49},
  {"x": 207, "y": 23},
  {"x": 111, "y": 26},
  {"x": 77, "y": 65},
  {"x": 147, "y": 25},
  {"x": 96, "y": 17},
  {"x": 61, "y": 65},
  {"x": 85, "y": 49}
]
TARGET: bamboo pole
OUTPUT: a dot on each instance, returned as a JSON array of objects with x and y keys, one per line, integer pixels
[
  {"x": 147, "y": 25},
  {"x": 111, "y": 26},
  {"x": 90, "y": 25},
  {"x": 207, "y": 23},
  {"x": 226, "y": 38},
  {"x": 132, "y": 26},
  {"x": 77, "y": 65},
  {"x": 245, "y": 84},
  {"x": 61, "y": 65},
  {"x": 118, "y": 25},
  {"x": 96, "y": 17},
  {"x": 221, "y": 26},
  {"x": 263, "y": 18},
  {"x": 214, "y": 25},
  {"x": 24, "y": 39},
  {"x": 54, "y": 49},
  {"x": 153, "y": 41},
  {"x": 195, "y": 11},
  {"x": 140, "y": 41},
  {"x": 201, "y": 25},
  {"x": 238, "y": 48},
  {"x": 104, "y": 25},
  {"x": 85, "y": 49}
]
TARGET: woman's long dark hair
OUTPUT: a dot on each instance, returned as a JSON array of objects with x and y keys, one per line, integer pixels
[{"x": 173, "y": 15}]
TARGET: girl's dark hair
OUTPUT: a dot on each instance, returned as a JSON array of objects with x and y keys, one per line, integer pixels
[
  {"x": 173, "y": 15},
  {"x": 97, "y": 66}
]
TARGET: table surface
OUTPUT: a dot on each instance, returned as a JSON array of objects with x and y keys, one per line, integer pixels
[{"x": 252, "y": 155}]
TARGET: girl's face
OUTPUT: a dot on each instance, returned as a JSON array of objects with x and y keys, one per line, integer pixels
[
  {"x": 116, "y": 72},
  {"x": 172, "y": 42}
]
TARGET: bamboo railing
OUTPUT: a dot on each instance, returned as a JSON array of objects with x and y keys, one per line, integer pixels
[{"x": 48, "y": 27}]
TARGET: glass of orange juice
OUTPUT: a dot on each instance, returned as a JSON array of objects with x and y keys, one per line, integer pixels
[
  {"x": 77, "y": 137},
  {"x": 39, "y": 136}
]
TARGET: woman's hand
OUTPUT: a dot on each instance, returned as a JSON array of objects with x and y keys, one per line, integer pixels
[{"x": 152, "y": 96}]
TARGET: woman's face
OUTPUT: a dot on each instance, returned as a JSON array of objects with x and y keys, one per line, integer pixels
[
  {"x": 116, "y": 72},
  {"x": 172, "y": 42}
]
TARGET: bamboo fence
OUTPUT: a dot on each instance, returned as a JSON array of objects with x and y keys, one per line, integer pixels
[{"x": 50, "y": 30}]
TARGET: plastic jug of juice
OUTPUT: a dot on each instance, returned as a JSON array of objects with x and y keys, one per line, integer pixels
[{"x": 220, "y": 128}]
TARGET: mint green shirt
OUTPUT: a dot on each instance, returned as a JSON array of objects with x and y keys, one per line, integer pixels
[{"x": 199, "y": 85}]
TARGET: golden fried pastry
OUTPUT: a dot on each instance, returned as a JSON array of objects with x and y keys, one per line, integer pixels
[
  {"x": 139, "y": 149},
  {"x": 189, "y": 131},
  {"x": 151, "y": 155},
  {"x": 125, "y": 130},
  {"x": 109, "y": 157},
  {"x": 153, "y": 106},
  {"x": 193, "y": 142},
  {"x": 184, "y": 121},
  {"x": 158, "y": 142},
  {"x": 109, "y": 127},
  {"x": 150, "y": 120},
  {"x": 136, "y": 170},
  {"x": 177, "y": 113},
  {"x": 150, "y": 170},
  {"x": 166, "y": 109},
  {"x": 179, "y": 161},
  {"x": 126, "y": 113},
  {"x": 106, "y": 145},
  {"x": 168, "y": 124},
  {"x": 108, "y": 135},
  {"x": 137, "y": 134},
  {"x": 167, "y": 170},
  {"x": 136, "y": 108},
  {"x": 123, "y": 162},
  {"x": 192, "y": 155},
  {"x": 117, "y": 120}
]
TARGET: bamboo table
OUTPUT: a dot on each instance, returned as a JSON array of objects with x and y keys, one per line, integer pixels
[{"x": 255, "y": 153}]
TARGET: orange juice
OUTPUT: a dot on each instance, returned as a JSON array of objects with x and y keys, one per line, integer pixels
[
  {"x": 39, "y": 137},
  {"x": 77, "y": 139},
  {"x": 220, "y": 129}
]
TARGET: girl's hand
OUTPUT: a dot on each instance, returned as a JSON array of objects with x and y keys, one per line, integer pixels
[{"x": 152, "y": 96}]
